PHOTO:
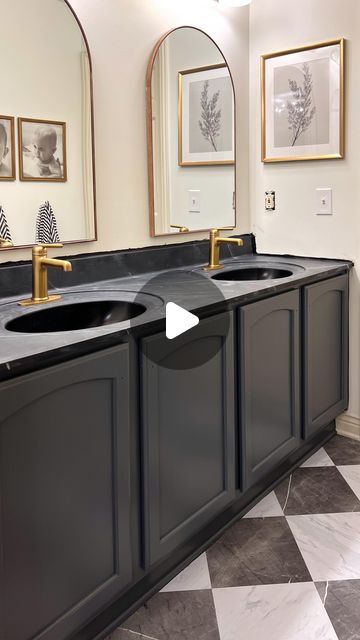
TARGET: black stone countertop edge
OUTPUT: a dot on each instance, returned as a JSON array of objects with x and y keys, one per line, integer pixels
[{"x": 24, "y": 353}]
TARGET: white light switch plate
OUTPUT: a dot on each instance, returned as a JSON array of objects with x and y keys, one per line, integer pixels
[
  {"x": 324, "y": 205},
  {"x": 194, "y": 201}
]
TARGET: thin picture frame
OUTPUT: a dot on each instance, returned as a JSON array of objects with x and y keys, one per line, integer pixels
[
  {"x": 182, "y": 75},
  {"x": 38, "y": 121},
  {"x": 338, "y": 132},
  {"x": 9, "y": 123}
]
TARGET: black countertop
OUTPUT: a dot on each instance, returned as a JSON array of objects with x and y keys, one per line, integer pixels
[{"x": 187, "y": 286}]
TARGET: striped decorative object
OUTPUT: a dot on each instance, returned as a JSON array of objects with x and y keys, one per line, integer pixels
[
  {"x": 4, "y": 227},
  {"x": 46, "y": 226}
]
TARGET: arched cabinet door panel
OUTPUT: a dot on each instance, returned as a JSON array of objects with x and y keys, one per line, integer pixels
[
  {"x": 269, "y": 355},
  {"x": 326, "y": 349},
  {"x": 188, "y": 432},
  {"x": 64, "y": 482}
]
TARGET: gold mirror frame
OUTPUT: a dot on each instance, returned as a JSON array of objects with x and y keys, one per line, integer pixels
[
  {"x": 149, "y": 128},
  {"x": 95, "y": 238}
]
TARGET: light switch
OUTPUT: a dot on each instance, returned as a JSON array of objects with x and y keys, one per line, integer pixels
[
  {"x": 194, "y": 201},
  {"x": 324, "y": 202}
]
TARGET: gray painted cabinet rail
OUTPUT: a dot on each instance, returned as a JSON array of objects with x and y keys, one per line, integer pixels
[
  {"x": 269, "y": 355},
  {"x": 325, "y": 352},
  {"x": 188, "y": 433},
  {"x": 64, "y": 482}
]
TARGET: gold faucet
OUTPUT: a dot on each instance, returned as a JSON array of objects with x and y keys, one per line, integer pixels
[
  {"x": 5, "y": 244},
  {"x": 214, "y": 247},
  {"x": 180, "y": 227},
  {"x": 40, "y": 264}
]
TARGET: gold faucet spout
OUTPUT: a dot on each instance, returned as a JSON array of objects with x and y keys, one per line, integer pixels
[
  {"x": 65, "y": 265},
  {"x": 236, "y": 241}
]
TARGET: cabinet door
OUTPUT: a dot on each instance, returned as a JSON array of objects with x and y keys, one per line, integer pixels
[
  {"x": 326, "y": 352},
  {"x": 64, "y": 483},
  {"x": 269, "y": 398},
  {"x": 188, "y": 433}
]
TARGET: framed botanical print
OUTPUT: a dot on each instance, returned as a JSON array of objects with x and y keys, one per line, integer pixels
[
  {"x": 303, "y": 103},
  {"x": 7, "y": 148},
  {"x": 206, "y": 116},
  {"x": 42, "y": 150}
]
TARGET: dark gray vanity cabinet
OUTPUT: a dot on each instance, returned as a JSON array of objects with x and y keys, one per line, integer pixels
[
  {"x": 188, "y": 433},
  {"x": 269, "y": 353},
  {"x": 325, "y": 352},
  {"x": 64, "y": 485}
]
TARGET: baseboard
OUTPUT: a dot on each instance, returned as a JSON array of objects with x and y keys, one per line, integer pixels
[{"x": 348, "y": 426}]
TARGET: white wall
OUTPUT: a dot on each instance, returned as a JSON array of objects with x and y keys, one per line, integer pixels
[
  {"x": 42, "y": 78},
  {"x": 122, "y": 34},
  {"x": 294, "y": 228}
]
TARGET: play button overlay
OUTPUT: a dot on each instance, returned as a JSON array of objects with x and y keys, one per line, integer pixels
[
  {"x": 178, "y": 320},
  {"x": 189, "y": 328}
]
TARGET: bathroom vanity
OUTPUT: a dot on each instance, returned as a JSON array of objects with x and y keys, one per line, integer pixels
[{"x": 124, "y": 454}]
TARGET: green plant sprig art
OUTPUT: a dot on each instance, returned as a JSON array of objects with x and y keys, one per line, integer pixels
[
  {"x": 210, "y": 123},
  {"x": 300, "y": 110}
]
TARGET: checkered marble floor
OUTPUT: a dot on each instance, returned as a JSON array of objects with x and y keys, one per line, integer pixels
[{"x": 289, "y": 570}]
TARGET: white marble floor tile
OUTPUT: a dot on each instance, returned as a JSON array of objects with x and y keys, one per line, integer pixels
[
  {"x": 319, "y": 459},
  {"x": 351, "y": 473},
  {"x": 275, "y": 612},
  {"x": 195, "y": 576},
  {"x": 330, "y": 544},
  {"x": 268, "y": 507}
]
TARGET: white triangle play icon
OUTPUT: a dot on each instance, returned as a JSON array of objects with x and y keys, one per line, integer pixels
[{"x": 178, "y": 320}]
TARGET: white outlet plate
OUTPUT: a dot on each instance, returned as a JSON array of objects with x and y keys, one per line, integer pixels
[
  {"x": 324, "y": 205},
  {"x": 270, "y": 201},
  {"x": 194, "y": 201}
]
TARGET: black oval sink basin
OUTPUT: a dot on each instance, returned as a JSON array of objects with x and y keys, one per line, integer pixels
[
  {"x": 253, "y": 273},
  {"x": 72, "y": 317}
]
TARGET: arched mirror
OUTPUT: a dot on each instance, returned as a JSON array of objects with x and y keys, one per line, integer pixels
[
  {"x": 191, "y": 135},
  {"x": 47, "y": 188}
]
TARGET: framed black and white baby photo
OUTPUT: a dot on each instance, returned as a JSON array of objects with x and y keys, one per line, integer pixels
[
  {"x": 7, "y": 148},
  {"x": 42, "y": 150}
]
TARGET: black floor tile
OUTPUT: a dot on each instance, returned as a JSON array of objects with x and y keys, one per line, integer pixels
[
  {"x": 343, "y": 451},
  {"x": 256, "y": 551},
  {"x": 180, "y": 615},
  {"x": 341, "y": 601},
  {"x": 316, "y": 490}
]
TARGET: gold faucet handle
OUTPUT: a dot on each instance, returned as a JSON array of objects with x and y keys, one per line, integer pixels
[
  {"x": 181, "y": 228},
  {"x": 54, "y": 245},
  {"x": 218, "y": 229}
]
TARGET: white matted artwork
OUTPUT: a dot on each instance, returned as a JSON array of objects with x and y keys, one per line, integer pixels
[
  {"x": 206, "y": 116},
  {"x": 303, "y": 103}
]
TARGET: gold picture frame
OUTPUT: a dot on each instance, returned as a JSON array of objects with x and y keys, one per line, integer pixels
[
  {"x": 32, "y": 170},
  {"x": 7, "y": 146},
  {"x": 184, "y": 153},
  {"x": 334, "y": 148}
]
